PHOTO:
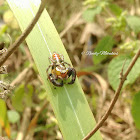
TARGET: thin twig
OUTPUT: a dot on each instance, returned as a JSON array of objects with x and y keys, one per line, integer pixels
[
  {"x": 24, "y": 125},
  {"x": 70, "y": 25},
  {"x": 35, "y": 118},
  {"x": 21, "y": 76},
  {"x": 33, "y": 122},
  {"x": 121, "y": 73},
  {"x": 10, "y": 39},
  {"x": 108, "y": 112},
  {"x": 13, "y": 47}
]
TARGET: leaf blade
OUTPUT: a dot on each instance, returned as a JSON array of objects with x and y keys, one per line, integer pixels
[
  {"x": 104, "y": 45},
  {"x": 115, "y": 67},
  {"x": 135, "y": 109},
  {"x": 67, "y": 101},
  {"x": 4, "y": 122},
  {"x": 134, "y": 23}
]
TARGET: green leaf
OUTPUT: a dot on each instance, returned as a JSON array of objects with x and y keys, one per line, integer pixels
[
  {"x": 90, "y": 13},
  {"x": 104, "y": 45},
  {"x": 115, "y": 67},
  {"x": 28, "y": 95},
  {"x": 136, "y": 109},
  {"x": 13, "y": 116},
  {"x": 69, "y": 104},
  {"x": 22, "y": 97},
  {"x": 115, "y": 9},
  {"x": 4, "y": 123},
  {"x": 17, "y": 98},
  {"x": 134, "y": 23}
]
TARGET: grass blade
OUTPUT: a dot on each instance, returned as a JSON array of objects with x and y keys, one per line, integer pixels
[{"x": 69, "y": 103}]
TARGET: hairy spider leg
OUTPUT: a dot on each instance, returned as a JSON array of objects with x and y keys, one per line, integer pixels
[
  {"x": 53, "y": 79},
  {"x": 48, "y": 68},
  {"x": 72, "y": 71}
]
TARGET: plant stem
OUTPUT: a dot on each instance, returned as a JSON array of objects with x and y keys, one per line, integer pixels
[
  {"x": 22, "y": 37},
  {"x": 108, "y": 112}
]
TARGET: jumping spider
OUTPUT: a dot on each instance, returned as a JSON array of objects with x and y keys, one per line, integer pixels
[{"x": 59, "y": 71}]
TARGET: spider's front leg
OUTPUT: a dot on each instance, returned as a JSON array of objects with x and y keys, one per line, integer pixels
[
  {"x": 54, "y": 81},
  {"x": 72, "y": 71},
  {"x": 67, "y": 64},
  {"x": 47, "y": 70},
  {"x": 53, "y": 78},
  {"x": 50, "y": 60}
]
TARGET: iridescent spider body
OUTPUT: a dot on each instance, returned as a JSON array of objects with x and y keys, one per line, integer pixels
[{"x": 59, "y": 71}]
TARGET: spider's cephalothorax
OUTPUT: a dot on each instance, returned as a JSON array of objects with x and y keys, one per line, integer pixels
[{"x": 59, "y": 71}]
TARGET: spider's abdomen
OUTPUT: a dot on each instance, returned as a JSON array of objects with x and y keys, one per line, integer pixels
[{"x": 60, "y": 72}]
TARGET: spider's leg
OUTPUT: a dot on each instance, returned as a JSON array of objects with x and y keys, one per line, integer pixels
[
  {"x": 72, "y": 71},
  {"x": 50, "y": 60},
  {"x": 54, "y": 81},
  {"x": 47, "y": 70},
  {"x": 67, "y": 64},
  {"x": 62, "y": 57}
]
